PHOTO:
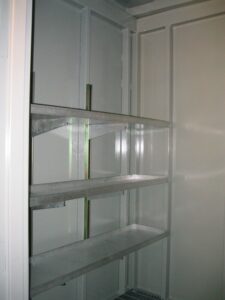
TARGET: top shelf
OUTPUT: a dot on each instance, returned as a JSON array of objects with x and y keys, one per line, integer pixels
[{"x": 48, "y": 117}]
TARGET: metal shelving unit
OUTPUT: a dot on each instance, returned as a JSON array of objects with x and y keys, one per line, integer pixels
[
  {"x": 49, "y": 117},
  {"x": 46, "y": 195},
  {"x": 58, "y": 266}
]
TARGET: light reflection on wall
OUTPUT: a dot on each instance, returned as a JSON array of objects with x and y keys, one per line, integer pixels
[
  {"x": 121, "y": 147},
  {"x": 70, "y": 149},
  {"x": 204, "y": 129},
  {"x": 139, "y": 144}
]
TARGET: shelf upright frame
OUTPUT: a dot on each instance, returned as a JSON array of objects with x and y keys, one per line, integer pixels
[
  {"x": 134, "y": 158},
  {"x": 171, "y": 156},
  {"x": 125, "y": 148},
  {"x": 84, "y": 164},
  {"x": 87, "y": 162}
]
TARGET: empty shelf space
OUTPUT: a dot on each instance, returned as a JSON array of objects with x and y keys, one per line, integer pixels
[
  {"x": 48, "y": 117},
  {"x": 58, "y": 266},
  {"x": 43, "y": 195}
]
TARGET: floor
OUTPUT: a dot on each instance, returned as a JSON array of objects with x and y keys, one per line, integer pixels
[{"x": 136, "y": 294}]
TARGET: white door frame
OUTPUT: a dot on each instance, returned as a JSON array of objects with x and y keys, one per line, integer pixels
[{"x": 15, "y": 33}]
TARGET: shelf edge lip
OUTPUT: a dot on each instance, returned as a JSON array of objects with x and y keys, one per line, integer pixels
[
  {"x": 37, "y": 201},
  {"x": 66, "y": 112},
  {"x": 136, "y": 225},
  {"x": 72, "y": 275}
]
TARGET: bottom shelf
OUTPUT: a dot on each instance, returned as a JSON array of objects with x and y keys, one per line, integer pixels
[
  {"x": 136, "y": 294},
  {"x": 58, "y": 266}
]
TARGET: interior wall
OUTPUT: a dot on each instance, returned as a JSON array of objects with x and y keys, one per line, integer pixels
[
  {"x": 75, "y": 45},
  {"x": 153, "y": 200},
  {"x": 106, "y": 50},
  {"x": 56, "y": 81},
  {"x": 192, "y": 40},
  {"x": 199, "y": 190},
  {"x": 4, "y": 42}
]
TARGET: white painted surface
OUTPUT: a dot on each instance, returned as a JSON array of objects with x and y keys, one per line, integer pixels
[
  {"x": 4, "y": 33},
  {"x": 154, "y": 7},
  {"x": 57, "y": 67},
  {"x": 214, "y": 129},
  {"x": 106, "y": 65},
  {"x": 154, "y": 83},
  {"x": 111, "y": 11},
  {"x": 153, "y": 210},
  {"x": 106, "y": 42},
  {"x": 199, "y": 190},
  {"x": 75, "y": 46},
  {"x": 197, "y": 257},
  {"x": 57, "y": 71},
  {"x": 15, "y": 25},
  {"x": 168, "y": 18},
  {"x": 57, "y": 53},
  {"x": 151, "y": 268},
  {"x": 153, "y": 201}
]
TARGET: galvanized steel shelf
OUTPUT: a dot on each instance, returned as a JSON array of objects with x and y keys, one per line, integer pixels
[
  {"x": 42, "y": 195},
  {"x": 58, "y": 266},
  {"x": 48, "y": 117}
]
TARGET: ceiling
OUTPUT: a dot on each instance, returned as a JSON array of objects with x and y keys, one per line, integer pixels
[
  {"x": 141, "y": 8},
  {"x": 132, "y": 3}
]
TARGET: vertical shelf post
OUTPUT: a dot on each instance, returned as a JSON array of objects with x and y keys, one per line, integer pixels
[{"x": 87, "y": 163}]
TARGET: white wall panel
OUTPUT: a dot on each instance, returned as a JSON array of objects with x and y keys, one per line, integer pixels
[
  {"x": 152, "y": 211},
  {"x": 198, "y": 204},
  {"x": 154, "y": 83},
  {"x": 153, "y": 201},
  {"x": 191, "y": 12},
  {"x": 4, "y": 32},
  {"x": 106, "y": 46},
  {"x": 57, "y": 53},
  {"x": 151, "y": 269},
  {"x": 154, "y": 150},
  {"x": 106, "y": 65},
  {"x": 105, "y": 155},
  {"x": 57, "y": 57},
  {"x": 103, "y": 283},
  {"x": 70, "y": 44},
  {"x": 195, "y": 35},
  {"x": 111, "y": 11}
]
